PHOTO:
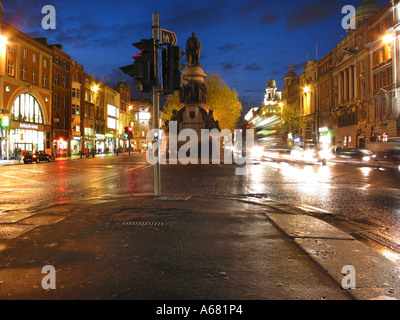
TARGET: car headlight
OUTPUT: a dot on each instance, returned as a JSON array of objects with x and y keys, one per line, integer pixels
[
  {"x": 257, "y": 152},
  {"x": 309, "y": 154},
  {"x": 366, "y": 158}
]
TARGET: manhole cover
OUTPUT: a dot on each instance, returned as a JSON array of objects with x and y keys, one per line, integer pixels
[
  {"x": 172, "y": 198},
  {"x": 11, "y": 231},
  {"x": 142, "y": 223}
]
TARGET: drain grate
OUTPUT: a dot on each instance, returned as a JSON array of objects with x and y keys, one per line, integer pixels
[
  {"x": 142, "y": 223},
  {"x": 172, "y": 198},
  {"x": 11, "y": 231}
]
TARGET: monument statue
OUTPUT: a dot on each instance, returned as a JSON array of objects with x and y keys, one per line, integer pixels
[{"x": 193, "y": 49}]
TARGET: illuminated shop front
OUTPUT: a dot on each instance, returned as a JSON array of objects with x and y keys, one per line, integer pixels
[
  {"x": 325, "y": 136},
  {"x": 27, "y": 130},
  {"x": 76, "y": 145}
]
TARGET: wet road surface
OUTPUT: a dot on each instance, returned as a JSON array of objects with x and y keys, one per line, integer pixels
[{"x": 370, "y": 195}]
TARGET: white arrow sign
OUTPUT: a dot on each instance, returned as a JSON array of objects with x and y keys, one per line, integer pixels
[{"x": 168, "y": 37}]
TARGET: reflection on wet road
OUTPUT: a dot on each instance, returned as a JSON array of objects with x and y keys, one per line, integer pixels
[{"x": 359, "y": 193}]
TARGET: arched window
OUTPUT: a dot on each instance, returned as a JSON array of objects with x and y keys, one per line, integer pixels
[{"x": 27, "y": 109}]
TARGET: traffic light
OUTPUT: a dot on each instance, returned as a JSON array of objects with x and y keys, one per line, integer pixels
[
  {"x": 171, "y": 68},
  {"x": 142, "y": 70},
  {"x": 128, "y": 132}
]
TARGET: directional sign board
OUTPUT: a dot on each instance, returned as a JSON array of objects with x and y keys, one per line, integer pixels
[{"x": 168, "y": 37}]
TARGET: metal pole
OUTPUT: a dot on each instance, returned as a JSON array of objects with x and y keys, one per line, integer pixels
[{"x": 156, "y": 100}]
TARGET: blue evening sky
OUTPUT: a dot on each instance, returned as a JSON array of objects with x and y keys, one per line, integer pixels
[{"x": 246, "y": 42}]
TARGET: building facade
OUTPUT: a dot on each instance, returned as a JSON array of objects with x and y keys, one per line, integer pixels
[
  {"x": 25, "y": 99},
  {"x": 76, "y": 80},
  {"x": 350, "y": 97}
]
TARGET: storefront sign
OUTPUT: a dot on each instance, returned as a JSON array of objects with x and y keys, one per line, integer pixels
[
  {"x": 324, "y": 129},
  {"x": 28, "y": 126},
  {"x": 5, "y": 122}
]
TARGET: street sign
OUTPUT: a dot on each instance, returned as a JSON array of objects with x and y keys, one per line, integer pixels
[{"x": 168, "y": 37}]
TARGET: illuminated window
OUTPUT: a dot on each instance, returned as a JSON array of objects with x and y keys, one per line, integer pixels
[{"x": 26, "y": 108}]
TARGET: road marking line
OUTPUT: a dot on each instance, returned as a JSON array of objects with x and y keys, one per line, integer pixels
[
  {"x": 139, "y": 167},
  {"x": 311, "y": 208}
]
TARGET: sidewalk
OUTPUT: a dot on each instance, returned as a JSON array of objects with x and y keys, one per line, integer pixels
[
  {"x": 16, "y": 162},
  {"x": 183, "y": 248}
]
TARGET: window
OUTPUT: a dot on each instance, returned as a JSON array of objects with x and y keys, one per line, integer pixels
[
  {"x": 376, "y": 82},
  {"x": 75, "y": 109},
  {"x": 11, "y": 47},
  {"x": 383, "y": 76},
  {"x": 23, "y": 73},
  {"x": 25, "y": 53},
  {"x": 56, "y": 100},
  {"x": 56, "y": 60},
  {"x": 64, "y": 102},
  {"x": 34, "y": 58},
  {"x": 26, "y": 108},
  {"x": 390, "y": 104},
  {"x": 45, "y": 81},
  {"x": 376, "y": 58},
  {"x": 10, "y": 67},
  {"x": 73, "y": 94},
  {"x": 384, "y": 108},
  {"x": 34, "y": 76},
  {"x": 363, "y": 89},
  {"x": 44, "y": 63},
  {"x": 64, "y": 82},
  {"x": 383, "y": 55}
]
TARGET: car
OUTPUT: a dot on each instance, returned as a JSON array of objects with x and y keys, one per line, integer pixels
[
  {"x": 312, "y": 153},
  {"x": 358, "y": 154},
  {"x": 36, "y": 156}
]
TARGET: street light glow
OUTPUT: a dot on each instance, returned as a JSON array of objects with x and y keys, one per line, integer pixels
[
  {"x": 306, "y": 89},
  {"x": 3, "y": 41},
  {"x": 388, "y": 38}
]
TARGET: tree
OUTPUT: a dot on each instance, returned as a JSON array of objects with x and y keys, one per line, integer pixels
[
  {"x": 171, "y": 103},
  {"x": 220, "y": 98},
  {"x": 223, "y": 101},
  {"x": 292, "y": 119}
]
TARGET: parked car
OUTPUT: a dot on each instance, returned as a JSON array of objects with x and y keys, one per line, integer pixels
[
  {"x": 36, "y": 156},
  {"x": 356, "y": 154}
]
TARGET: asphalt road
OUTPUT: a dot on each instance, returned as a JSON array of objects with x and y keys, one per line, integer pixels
[{"x": 361, "y": 194}]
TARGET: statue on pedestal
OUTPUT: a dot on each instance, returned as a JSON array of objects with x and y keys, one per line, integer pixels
[{"x": 193, "y": 49}]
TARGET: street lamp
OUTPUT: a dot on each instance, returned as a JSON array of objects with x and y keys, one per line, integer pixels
[{"x": 306, "y": 89}]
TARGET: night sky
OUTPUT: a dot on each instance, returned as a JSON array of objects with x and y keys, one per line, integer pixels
[{"x": 247, "y": 42}]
